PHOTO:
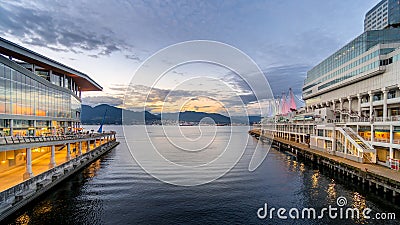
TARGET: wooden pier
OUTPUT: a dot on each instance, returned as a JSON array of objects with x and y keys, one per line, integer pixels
[{"x": 373, "y": 175}]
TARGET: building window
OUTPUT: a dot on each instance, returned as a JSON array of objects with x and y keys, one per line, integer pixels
[
  {"x": 392, "y": 94},
  {"x": 377, "y": 97},
  {"x": 44, "y": 74}
]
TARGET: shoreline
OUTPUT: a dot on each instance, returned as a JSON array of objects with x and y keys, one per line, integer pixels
[
  {"x": 18, "y": 196},
  {"x": 373, "y": 175}
]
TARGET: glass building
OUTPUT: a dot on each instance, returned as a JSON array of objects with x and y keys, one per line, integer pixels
[
  {"x": 385, "y": 14},
  {"x": 364, "y": 55},
  {"x": 38, "y": 96}
]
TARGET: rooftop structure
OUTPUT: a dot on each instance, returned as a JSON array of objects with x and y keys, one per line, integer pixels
[
  {"x": 38, "y": 95},
  {"x": 352, "y": 98},
  {"x": 385, "y": 14}
]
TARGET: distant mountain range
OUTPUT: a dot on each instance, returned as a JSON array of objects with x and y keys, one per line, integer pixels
[
  {"x": 94, "y": 115},
  {"x": 196, "y": 117}
]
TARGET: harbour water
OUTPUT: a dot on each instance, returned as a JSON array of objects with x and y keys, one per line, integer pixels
[{"x": 115, "y": 190}]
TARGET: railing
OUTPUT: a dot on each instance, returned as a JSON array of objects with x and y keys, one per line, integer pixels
[
  {"x": 7, "y": 140},
  {"x": 357, "y": 138},
  {"x": 354, "y": 118},
  {"x": 367, "y": 157},
  {"x": 382, "y": 140},
  {"x": 27, "y": 185},
  {"x": 394, "y": 164}
]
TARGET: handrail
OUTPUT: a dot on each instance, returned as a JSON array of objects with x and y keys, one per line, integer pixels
[
  {"x": 358, "y": 137},
  {"x": 26, "y": 185},
  {"x": 352, "y": 141},
  {"x": 7, "y": 140}
]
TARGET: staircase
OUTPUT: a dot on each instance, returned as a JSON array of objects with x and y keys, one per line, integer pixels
[
  {"x": 366, "y": 148},
  {"x": 359, "y": 140},
  {"x": 367, "y": 158}
]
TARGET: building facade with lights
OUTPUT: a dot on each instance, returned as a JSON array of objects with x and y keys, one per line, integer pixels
[
  {"x": 385, "y": 14},
  {"x": 40, "y": 108},
  {"x": 38, "y": 96},
  {"x": 352, "y": 100}
]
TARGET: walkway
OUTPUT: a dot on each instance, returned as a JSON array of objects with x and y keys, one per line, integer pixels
[
  {"x": 372, "y": 168},
  {"x": 14, "y": 176}
]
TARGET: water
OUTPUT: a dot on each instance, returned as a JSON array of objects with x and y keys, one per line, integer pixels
[{"x": 115, "y": 190}]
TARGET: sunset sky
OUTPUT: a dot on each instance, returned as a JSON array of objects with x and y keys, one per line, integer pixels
[{"x": 109, "y": 40}]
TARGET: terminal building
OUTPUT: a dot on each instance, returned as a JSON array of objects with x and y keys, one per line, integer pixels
[
  {"x": 40, "y": 111},
  {"x": 353, "y": 96},
  {"x": 38, "y": 96},
  {"x": 386, "y": 14}
]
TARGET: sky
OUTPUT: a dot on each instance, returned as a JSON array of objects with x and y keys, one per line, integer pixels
[{"x": 111, "y": 40}]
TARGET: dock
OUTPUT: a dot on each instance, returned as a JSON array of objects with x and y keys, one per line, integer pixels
[
  {"x": 25, "y": 191},
  {"x": 373, "y": 175}
]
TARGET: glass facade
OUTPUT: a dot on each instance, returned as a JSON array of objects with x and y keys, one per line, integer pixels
[
  {"x": 22, "y": 95},
  {"x": 383, "y": 15},
  {"x": 338, "y": 64},
  {"x": 394, "y": 13},
  {"x": 377, "y": 17},
  {"x": 44, "y": 105}
]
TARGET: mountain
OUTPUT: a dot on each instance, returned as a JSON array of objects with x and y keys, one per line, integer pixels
[
  {"x": 195, "y": 117},
  {"x": 246, "y": 119},
  {"x": 94, "y": 115}
]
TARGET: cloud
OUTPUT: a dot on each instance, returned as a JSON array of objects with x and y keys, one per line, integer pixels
[
  {"x": 133, "y": 57},
  {"x": 38, "y": 25},
  {"x": 281, "y": 78},
  {"x": 102, "y": 99}
]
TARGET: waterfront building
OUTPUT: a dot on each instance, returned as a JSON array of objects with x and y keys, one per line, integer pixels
[
  {"x": 37, "y": 94},
  {"x": 353, "y": 98},
  {"x": 383, "y": 15},
  {"x": 40, "y": 107}
]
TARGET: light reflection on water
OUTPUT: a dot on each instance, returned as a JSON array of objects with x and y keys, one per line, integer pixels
[{"x": 115, "y": 190}]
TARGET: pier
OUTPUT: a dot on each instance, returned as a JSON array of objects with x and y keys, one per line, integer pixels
[
  {"x": 49, "y": 169},
  {"x": 373, "y": 175}
]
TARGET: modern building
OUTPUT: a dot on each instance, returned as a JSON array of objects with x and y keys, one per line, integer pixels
[
  {"x": 38, "y": 96},
  {"x": 353, "y": 98},
  {"x": 40, "y": 107},
  {"x": 385, "y": 14}
]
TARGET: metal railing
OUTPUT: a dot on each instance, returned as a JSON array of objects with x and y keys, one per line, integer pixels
[
  {"x": 7, "y": 140},
  {"x": 27, "y": 185}
]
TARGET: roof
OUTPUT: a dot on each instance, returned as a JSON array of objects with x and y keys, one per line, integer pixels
[{"x": 16, "y": 51}]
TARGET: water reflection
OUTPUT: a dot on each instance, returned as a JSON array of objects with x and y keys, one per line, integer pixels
[
  {"x": 45, "y": 207},
  {"x": 115, "y": 190},
  {"x": 332, "y": 191},
  {"x": 92, "y": 170},
  {"x": 315, "y": 178},
  {"x": 360, "y": 204},
  {"x": 23, "y": 219},
  {"x": 302, "y": 168}
]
